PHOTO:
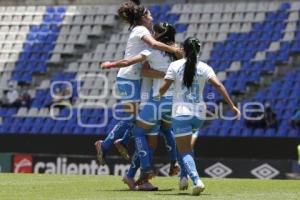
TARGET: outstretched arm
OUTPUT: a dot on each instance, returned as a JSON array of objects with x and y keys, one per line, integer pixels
[
  {"x": 165, "y": 86},
  {"x": 151, "y": 73},
  {"x": 222, "y": 90},
  {"x": 124, "y": 62},
  {"x": 154, "y": 44}
]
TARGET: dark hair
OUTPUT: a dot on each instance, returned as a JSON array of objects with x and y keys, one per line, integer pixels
[
  {"x": 191, "y": 48},
  {"x": 137, "y": 2},
  {"x": 132, "y": 12},
  {"x": 165, "y": 34}
]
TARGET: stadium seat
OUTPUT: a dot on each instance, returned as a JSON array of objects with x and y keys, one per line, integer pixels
[{"x": 242, "y": 41}]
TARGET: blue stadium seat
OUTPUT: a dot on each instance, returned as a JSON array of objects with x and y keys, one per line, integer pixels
[{"x": 181, "y": 28}]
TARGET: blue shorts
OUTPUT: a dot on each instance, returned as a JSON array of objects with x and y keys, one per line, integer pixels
[
  {"x": 156, "y": 130},
  {"x": 129, "y": 90},
  {"x": 186, "y": 125},
  {"x": 154, "y": 111}
]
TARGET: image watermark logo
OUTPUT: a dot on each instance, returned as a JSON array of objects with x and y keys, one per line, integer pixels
[{"x": 62, "y": 92}]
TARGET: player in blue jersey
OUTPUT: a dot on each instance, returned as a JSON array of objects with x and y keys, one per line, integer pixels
[{"x": 188, "y": 77}]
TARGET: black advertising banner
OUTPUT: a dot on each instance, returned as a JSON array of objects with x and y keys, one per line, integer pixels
[
  {"x": 262, "y": 169},
  {"x": 216, "y": 168},
  {"x": 5, "y": 162}
]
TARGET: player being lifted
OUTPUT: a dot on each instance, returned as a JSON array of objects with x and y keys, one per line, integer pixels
[
  {"x": 155, "y": 115},
  {"x": 129, "y": 82}
]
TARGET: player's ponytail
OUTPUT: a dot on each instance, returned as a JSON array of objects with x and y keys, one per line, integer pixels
[
  {"x": 191, "y": 48},
  {"x": 132, "y": 12}
]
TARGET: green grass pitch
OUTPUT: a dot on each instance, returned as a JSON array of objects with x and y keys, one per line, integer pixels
[{"x": 61, "y": 187}]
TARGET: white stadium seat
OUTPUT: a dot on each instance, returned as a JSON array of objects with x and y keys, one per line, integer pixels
[
  {"x": 246, "y": 27},
  {"x": 241, "y": 7},
  {"x": 197, "y": 8},
  {"x": 249, "y": 17},
  {"x": 238, "y": 17},
  {"x": 288, "y": 36},
  {"x": 22, "y": 112},
  {"x": 291, "y": 26},
  {"x": 33, "y": 112},
  {"x": 259, "y": 17},
  {"x": 229, "y": 7},
  {"x": 274, "y": 46},
  {"x": 293, "y": 16},
  {"x": 218, "y": 8},
  {"x": 295, "y": 5},
  {"x": 251, "y": 7},
  {"x": 273, "y": 6},
  {"x": 176, "y": 8},
  {"x": 262, "y": 6},
  {"x": 260, "y": 56},
  {"x": 184, "y": 18}
]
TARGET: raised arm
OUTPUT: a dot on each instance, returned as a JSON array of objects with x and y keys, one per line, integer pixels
[
  {"x": 222, "y": 90},
  {"x": 165, "y": 86},
  {"x": 151, "y": 73},
  {"x": 124, "y": 62},
  {"x": 154, "y": 44}
]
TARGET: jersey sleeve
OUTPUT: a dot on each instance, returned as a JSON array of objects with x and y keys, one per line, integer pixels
[
  {"x": 171, "y": 74},
  {"x": 209, "y": 73},
  {"x": 146, "y": 52},
  {"x": 142, "y": 31}
]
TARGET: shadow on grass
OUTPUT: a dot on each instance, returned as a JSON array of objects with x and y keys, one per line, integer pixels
[
  {"x": 181, "y": 194},
  {"x": 127, "y": 190}
]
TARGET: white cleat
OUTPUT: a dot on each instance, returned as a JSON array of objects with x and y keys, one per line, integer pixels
[
  {"x": 183, "y": 183},
  {"x": 198, "y": 188}
]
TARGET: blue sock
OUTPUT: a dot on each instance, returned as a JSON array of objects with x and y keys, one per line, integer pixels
[
  {"x": 183, "y": 172},
  {"x": 116, "y": 133},
  {"x": 142, "y": 148},
  {"x": 135, "y": 165},
  {"x": 127, "y": 136},
  {"x": 151, "y": 152},
  {"x": 170, "y": 143},
  {"x": 190, "y": 166}
]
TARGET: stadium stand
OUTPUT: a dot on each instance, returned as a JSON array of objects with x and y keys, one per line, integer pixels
[{"x": 243, "y": 41}]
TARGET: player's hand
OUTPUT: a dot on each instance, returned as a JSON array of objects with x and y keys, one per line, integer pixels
[
  {"x": 179, "y": 53},
  {"x": 107, "y": 65},
  {"x": 236, "y": 111}
]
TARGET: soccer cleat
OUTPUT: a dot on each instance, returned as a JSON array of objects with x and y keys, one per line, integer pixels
[
  {"x": 198, "y": 188},
  {"x": 121, "y": 149},
  {"x": 145, "y": 177},
  {"x": 147, "y": 186},
  {"x": 183, "y": 183},
  {"x": 174, "y": 168},
  {"x": 99, "y": 155},
  {"x": 129, "y": 182}
]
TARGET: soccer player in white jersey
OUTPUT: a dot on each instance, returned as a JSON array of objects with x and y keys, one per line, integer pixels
[
  {"x": 154, "y": 111},
  {"x": 189, "y": 76},
  {"x": 128, "y": 78}
]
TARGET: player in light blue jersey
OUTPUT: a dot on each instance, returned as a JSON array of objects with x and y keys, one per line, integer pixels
[
  {"x": 154, "y": 115},
  {"x": 129, "y": 79},
  {"x": 188, "y": 77}
]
